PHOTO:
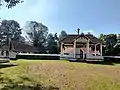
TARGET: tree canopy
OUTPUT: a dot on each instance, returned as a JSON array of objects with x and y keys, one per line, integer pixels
[
  {"x": 110, "y": 42},
  {"x": 9, "y": 30},
  {"x": 62, "y": 35},
  {"x": 10, "y": 3},
  {"x": 37, "y": 34},
  {"x": 52, "y": 44}
]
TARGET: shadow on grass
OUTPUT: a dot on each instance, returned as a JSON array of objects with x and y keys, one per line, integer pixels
[
  {"x": 27, "y": 87},
  {"x": 6, "y": 65},
  {"x": 9, "y": 84},
  {"x": 106, "y": 62},
  {"x": 102, "y": 63}
]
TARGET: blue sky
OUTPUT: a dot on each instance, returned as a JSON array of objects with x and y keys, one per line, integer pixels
[{"x": 95, "y": 16}]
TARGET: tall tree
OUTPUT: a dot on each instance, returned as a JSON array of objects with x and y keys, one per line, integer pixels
[
  {"x": 62, "y": 35},
  {"x": 9, "y": 30},
  {"x": 52, "y": 44},
  {"x": 118, "y": 38},
  {"x": 57, "y": 41},
  {"x": 109, "y": 40},
  {"x": 102, "y": 37},
  {"x": 10, "y": 3},
  {"x": 116, "y": 48},
  {"x": 37, "y": 34}
]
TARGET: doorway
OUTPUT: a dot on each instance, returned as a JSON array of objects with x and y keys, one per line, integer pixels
[{"x": 81, "y": 54}]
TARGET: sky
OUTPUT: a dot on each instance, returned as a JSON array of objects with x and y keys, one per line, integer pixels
[{"x": 95, "y": 16}]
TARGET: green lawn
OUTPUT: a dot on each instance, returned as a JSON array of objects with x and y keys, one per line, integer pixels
[{"x": 58, "y": 75}]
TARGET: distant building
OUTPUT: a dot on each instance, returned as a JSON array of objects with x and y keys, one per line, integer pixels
[
  {"x": 15, "y": 48},
  {"x": 79, "y": 46},
  {"x": 22, "y": 47}
]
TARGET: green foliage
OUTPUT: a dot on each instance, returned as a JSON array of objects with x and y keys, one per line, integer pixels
[
  {"x": 62, "y": 35},
  {"x": 118, "y": 38},
  {"x": 10, "y": 3},
  {"x": 9, "y": 30},
  {"x": 52, "y": 44},
  {"x": 110, "y": 42},
  {"x": 37, "y": 34}
]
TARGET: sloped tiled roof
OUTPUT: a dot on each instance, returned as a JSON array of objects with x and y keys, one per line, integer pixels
[
  {"x": 93, "y": 39},
  {"x": 21, "y": 47},
  {"x": 70, "y": 38}
]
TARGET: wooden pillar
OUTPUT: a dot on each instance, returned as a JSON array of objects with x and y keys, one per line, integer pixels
[
  {"x": 75, "y": 48},
  {"x": 101, "y": 49},
  {"x": 95, "y": 49},
  {"x": 61, "y": 49},
  {"x": 87, "y": 49}
]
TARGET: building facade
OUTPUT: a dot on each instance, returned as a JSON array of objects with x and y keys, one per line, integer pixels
[{"x": 83, "y": 46}]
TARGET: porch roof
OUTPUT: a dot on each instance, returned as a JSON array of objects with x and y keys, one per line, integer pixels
[{"x": 71, "y": 37}]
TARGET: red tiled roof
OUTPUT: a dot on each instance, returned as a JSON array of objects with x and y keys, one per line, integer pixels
[{"x": 70, "y": 38}]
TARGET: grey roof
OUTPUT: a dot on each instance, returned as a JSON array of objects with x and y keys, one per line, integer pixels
[{"x": 22, "y": 47}]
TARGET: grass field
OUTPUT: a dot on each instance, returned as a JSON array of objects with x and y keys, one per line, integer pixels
[{"x": 58, "y": 75}]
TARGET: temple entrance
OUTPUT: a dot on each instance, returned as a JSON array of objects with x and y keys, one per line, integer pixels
[{"x": 83, "y": 47}]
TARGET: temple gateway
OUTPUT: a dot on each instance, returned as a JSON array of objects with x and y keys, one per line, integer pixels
[{"x": 81, "y": 47}]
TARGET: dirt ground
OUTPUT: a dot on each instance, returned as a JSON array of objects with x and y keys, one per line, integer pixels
[
  {"x": 59, "y": 75},
  {"x": 65, "y": 74}
]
